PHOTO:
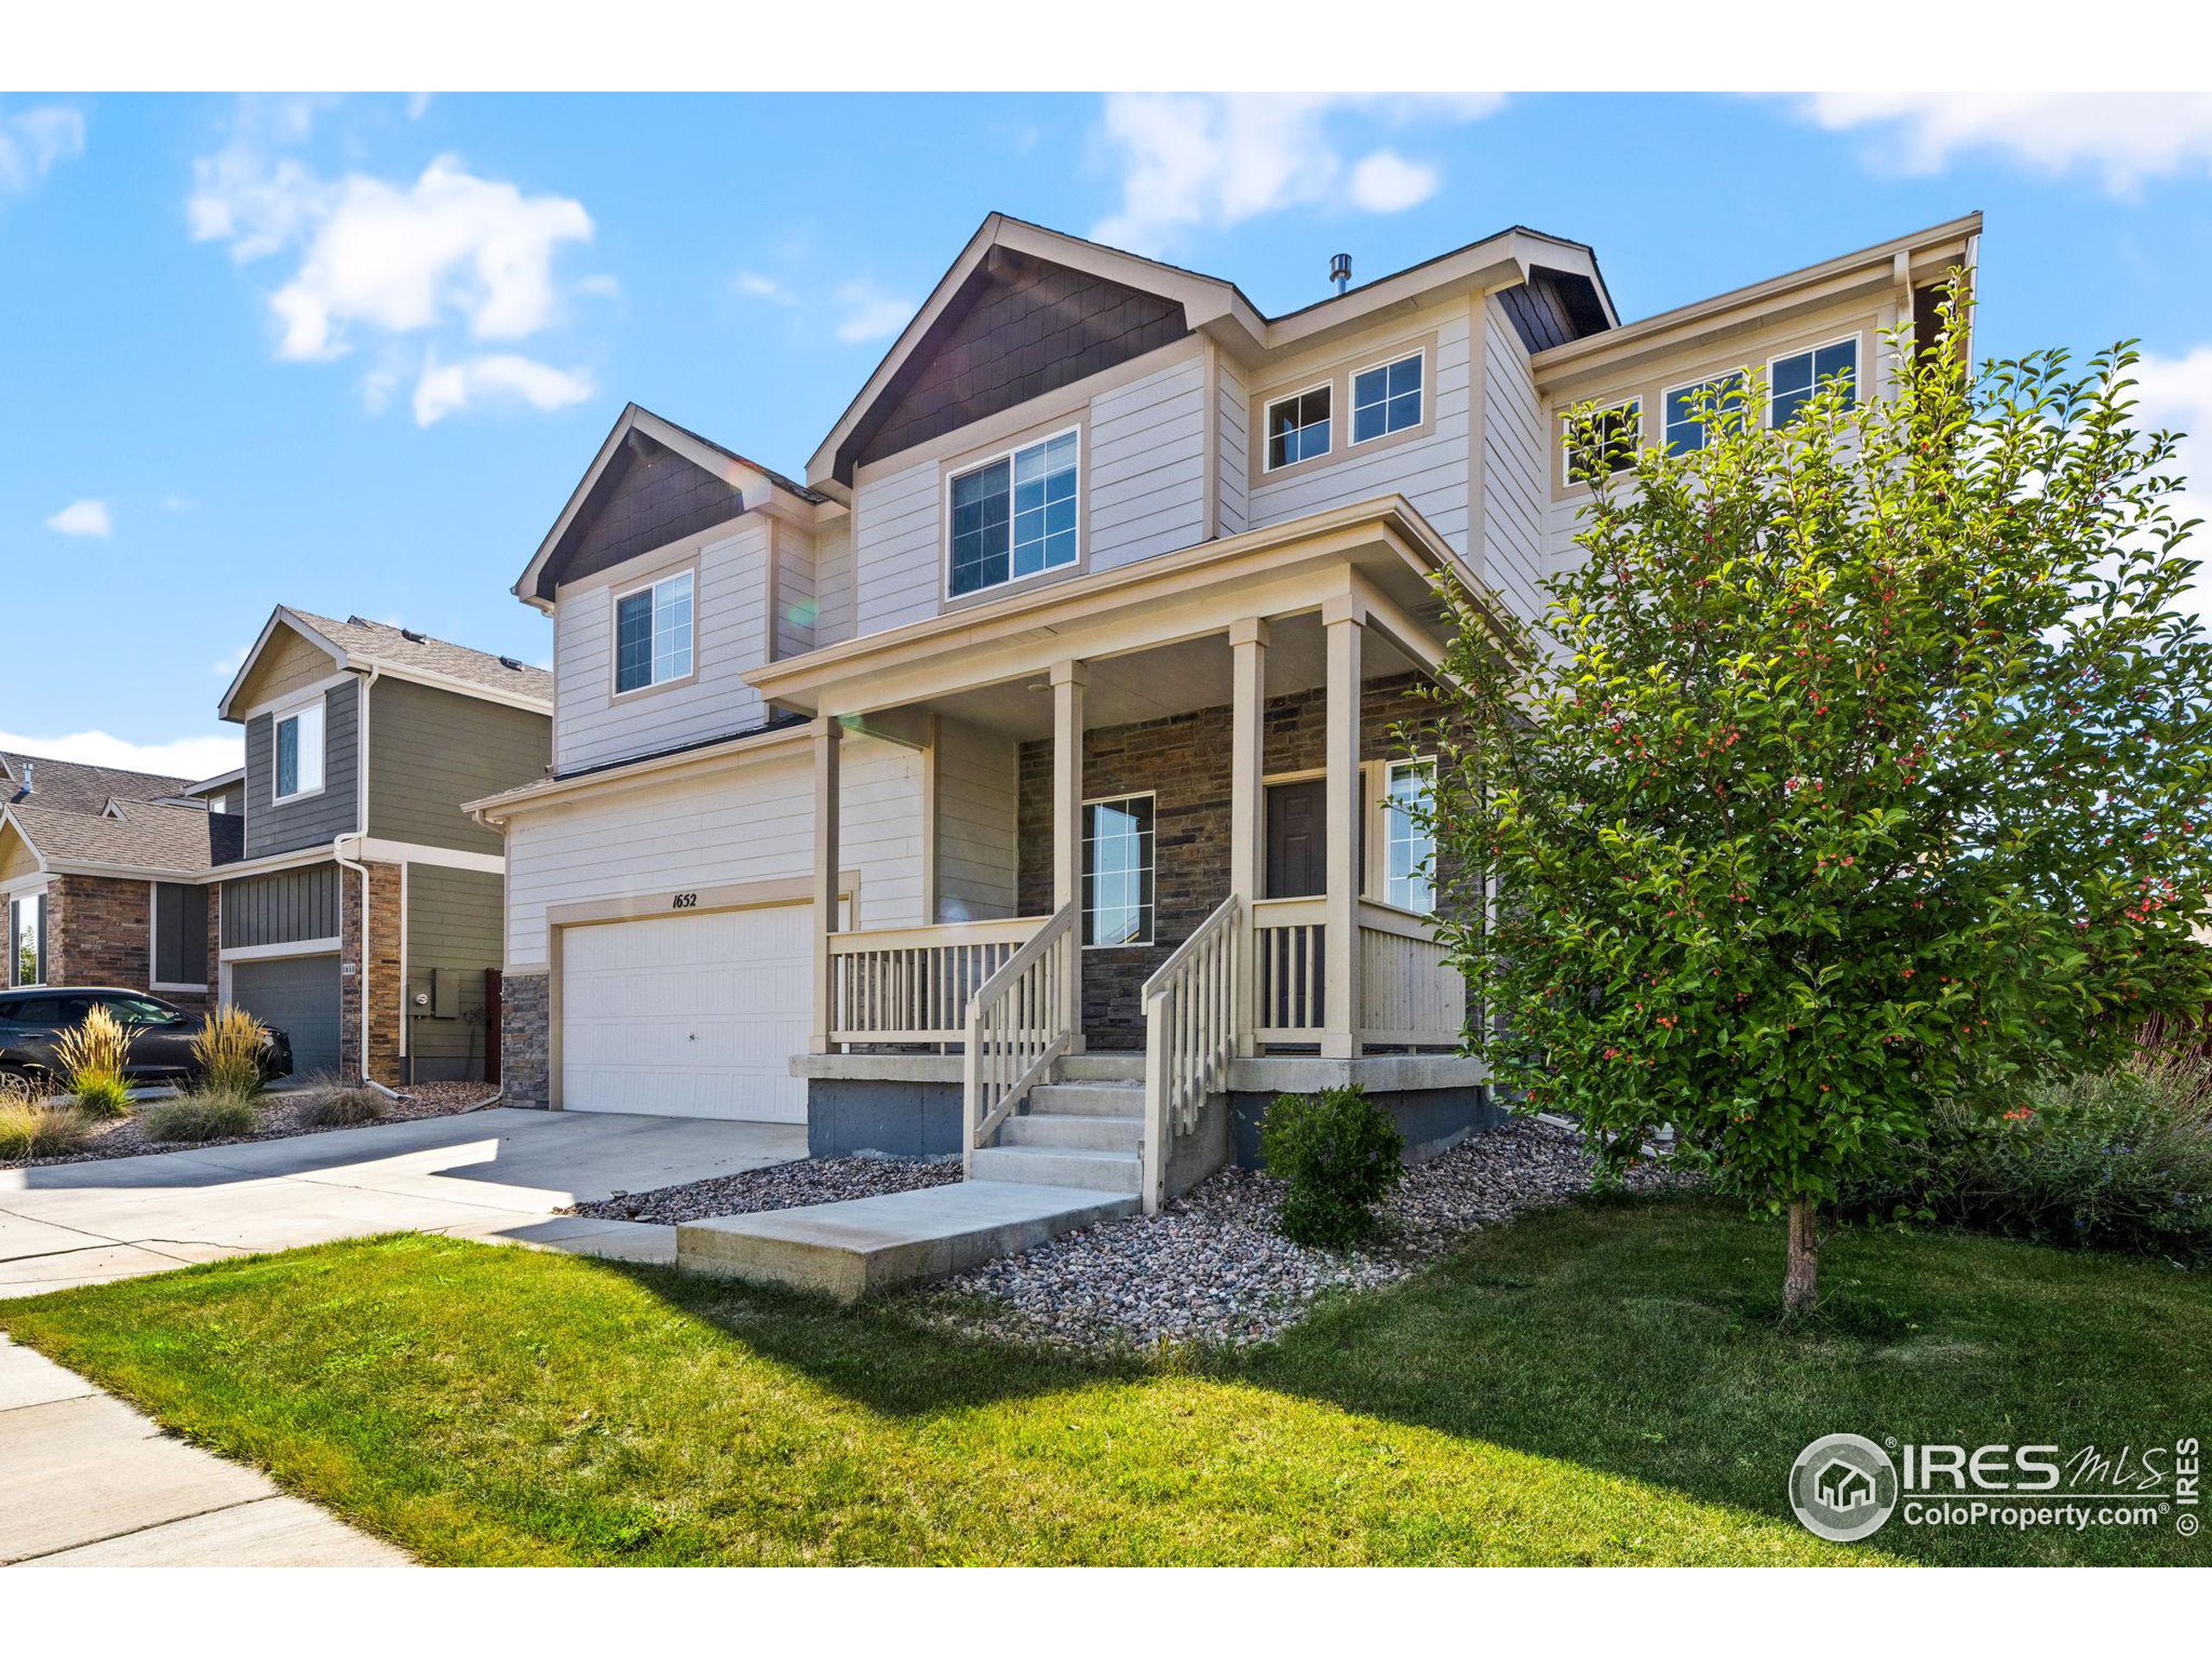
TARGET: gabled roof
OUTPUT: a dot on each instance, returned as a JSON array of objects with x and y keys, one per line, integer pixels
[
  {"x": 734, "y": 486},
  {"x": 146, "y": 839},
  {"x": 357, "y": 644},
  {"x": 73, "y": 786},
  {"x": 1577, "y": 300}
]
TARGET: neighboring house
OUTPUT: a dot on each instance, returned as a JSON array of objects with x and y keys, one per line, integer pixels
[
  {"x": 362, "y": 740},
  {"x": 1065, "y": 685},
  {"x": 103, "y": 877}
]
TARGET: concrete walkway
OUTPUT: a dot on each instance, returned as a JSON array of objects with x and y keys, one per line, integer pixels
[
  {"x": 495, "y": 1175},
  {"x": 86, "y": 1481}
]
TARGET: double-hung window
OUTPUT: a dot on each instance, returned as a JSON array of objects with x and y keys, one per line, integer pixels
[
  {"x": 1795, "y": 379},
  {"x": 299, "y": 751},
  {"x": 1691, "y": 409},
  {"x": 1014, "y": 515},
  {"x": 1408, "y": 840},
  {"x": 27, "y": 939},
  {"x": 1297, "y": 428},
  {"x": 1117, "y": 871},
  {"x": 653, "y": 634},
  {"x": 1386, "y": 398}
]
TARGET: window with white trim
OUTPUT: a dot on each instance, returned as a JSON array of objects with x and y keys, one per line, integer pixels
[
  {"x": 1606, "y": 444},
  {"x": 1408, "y": 839},
  {"x": 1793, "y": 381},
  {"x": 1117, "y": 871},
  {"x": 653, "y": 634},
  {"x": 299, "y": 752},
  {"x": 1297, "y": 427},
  {"x": 27, "y": 939},
  {"x": 1688, "y": 408},
  {"x": 1014, "y": 515},
  {"x": 1386, "y": 398}
]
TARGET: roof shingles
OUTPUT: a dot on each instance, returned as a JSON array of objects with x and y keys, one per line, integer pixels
[{"x": 402, "y": 649}]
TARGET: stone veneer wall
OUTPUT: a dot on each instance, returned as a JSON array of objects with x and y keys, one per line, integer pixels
[
  {"x": 96, "y": 931},
  {"x": 525, "y": 1045},
  {"x": 384, "y": 991},
  {"x": 1184, "y": 760}
]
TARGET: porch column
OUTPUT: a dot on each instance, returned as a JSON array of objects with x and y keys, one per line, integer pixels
[
  {"x": 1247, "y": 645},
  {"x": 1344, "y": 620},
  {"x": 827, "y": 748},
  {"x": 1069, "y": 679}
]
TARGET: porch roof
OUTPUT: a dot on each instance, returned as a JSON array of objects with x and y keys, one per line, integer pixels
[{"x": 1380, "y": 552}]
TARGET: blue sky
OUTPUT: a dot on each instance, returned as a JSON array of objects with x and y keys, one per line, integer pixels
[{"x": 351, "y": 354}]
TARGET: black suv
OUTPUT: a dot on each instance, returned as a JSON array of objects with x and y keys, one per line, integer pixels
[{"x": 32, "y": 1021}]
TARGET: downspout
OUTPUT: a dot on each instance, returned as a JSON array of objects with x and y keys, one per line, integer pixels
[{"x": 360, "y": 833}]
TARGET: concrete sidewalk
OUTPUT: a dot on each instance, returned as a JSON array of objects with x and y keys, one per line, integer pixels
[
  {"x": 86, "y": 1481},
  {"x": 497, "y": 1175}
]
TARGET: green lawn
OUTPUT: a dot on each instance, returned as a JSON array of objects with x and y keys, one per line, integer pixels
[{"x": 1599, "y": 1384}]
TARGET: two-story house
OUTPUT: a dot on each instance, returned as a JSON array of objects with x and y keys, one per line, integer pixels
[
  {"x": 362, "y": 911},
  {"x": 1025, "y": 783}
]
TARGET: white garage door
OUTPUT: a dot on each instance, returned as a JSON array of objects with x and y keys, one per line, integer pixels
[{"x": 688, "y": 1016}]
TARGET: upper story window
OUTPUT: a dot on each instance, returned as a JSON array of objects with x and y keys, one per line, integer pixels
[
  {"x": 1409, "y": 844},
  {"x": 1297, "y": 427},
  {"x": 1606, "y": 445},
  {"x": 1793, "y": 380},
  {"x": 299, "y": 751},
  {"x": 653, "y": 634},
  {"x": 1117, "y": 871},
  {"x": 1386, "y": 398},
  {"x": 1015, "y": 515},
  {"x": 1688, "y": 407}
]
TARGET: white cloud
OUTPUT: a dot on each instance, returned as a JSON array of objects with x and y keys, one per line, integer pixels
[
  {"x": 446, "y": 387},
  {"x": 754, "y": 286},
  {"x": 2175, "y": 394},
  {"x": 183, "y": 757},
  {"x": 33, "y": 141},
  {"x": 418, "y": 104},
  {"x": 87, "y": 518},
  {"x": 1190, "y": 159},
  {"x": 2126, "y": 138},
  {"x": 228, "y": 665},
  {"x": 870, "y": 313}
]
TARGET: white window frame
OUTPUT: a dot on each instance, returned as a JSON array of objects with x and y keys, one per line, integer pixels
[
  {"x": 1267, "y": 420},
  {"x": 1813, "y": 350},
  {"x": 296, "y": 711},
  {"x": 1634, "y": 400},
  {"x": 1667, "y": 394},
  {"x": 1083, "y": 913},
  {"x": 956, "y": 471},
  {"x": 8, "y": 903},
  {"x": 1353, "y": 439},
  {"x": 1385, "y": 812},
  {"x": 653, "y": 585}
]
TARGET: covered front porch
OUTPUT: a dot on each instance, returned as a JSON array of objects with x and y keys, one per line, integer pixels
[{"x": 1163, "y": 829}]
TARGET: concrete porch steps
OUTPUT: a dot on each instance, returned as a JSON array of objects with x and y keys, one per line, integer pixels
[
  {"x": 1085, "y": 1132},
  {"x": 1086, "y": 1100},
  {"x": 1103, "y": 1066},
  {"x": 861, "y": 1245},
  {"x": 1102, "y": 1172}
]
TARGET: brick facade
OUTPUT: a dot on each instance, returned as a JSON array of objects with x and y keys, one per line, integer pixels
[
  {"x": 525, "y": 1045},
  {"x": 1183, "y": 761},
  {"x": 97, "y": 932},
  {"x": 383, "y": 977}
]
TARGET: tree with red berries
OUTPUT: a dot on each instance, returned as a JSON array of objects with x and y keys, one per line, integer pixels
[{"x": 1863, "y": 764}]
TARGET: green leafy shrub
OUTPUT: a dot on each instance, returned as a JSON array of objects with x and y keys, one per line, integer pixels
[
  {"x": 335, "y": 1103},
  {"x": 204, "y": 1114},
  {"x": 2116, "y": 1161},
  {"x": 93, "y": 1057},
  {"x": 33, "y": 1128},
  {"x": 229, "y": 1048},
  {"x": 1339, "y": 1154}
]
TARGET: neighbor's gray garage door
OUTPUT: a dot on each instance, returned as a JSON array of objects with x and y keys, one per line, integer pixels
[{"x": 299, "y": 993}]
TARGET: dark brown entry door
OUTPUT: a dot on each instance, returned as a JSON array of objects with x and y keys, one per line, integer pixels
[{"x": 1297, "y": 848}]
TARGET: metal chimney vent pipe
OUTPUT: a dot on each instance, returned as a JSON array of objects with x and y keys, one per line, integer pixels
[{"x": 1340, "y": 271}]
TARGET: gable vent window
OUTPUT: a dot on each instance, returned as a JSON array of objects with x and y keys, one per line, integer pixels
[
  {"x": 1015, "y": 515},
  {"x": 653, "y": 634},
  {"x": 1297, "y": 428},
  {"x": 1386, "y": 398},
  {"x": 1795, "y": 379},
  {"x": 299, "y": 752}
]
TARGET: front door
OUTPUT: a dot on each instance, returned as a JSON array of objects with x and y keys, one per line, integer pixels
[{"x": 1298, "y": 848}]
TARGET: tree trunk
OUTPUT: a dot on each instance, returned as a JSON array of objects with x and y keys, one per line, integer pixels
[{"x": 1801, "y": 1278}]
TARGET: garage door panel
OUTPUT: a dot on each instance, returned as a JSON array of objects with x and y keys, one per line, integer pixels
[
  {"x": 298, "y": 994},
  {"x": 692, "y": 1016}
]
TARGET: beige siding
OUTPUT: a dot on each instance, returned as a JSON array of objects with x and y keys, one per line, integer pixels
[
  {"x": 1511, "y": 558},
  {"x": 591, "y": 727},
  {"x": 1234, "y": 442},
  {"x": 895, "y": 548},
  {"x": 833, "y": 582},
  {"x": 709, "y": 828},
  {"x": 1147, "y": 487},
  {"x": 287, "y": 664},
  {"x": 978, "y": 788},
  {"x": 797, "y": 603}
]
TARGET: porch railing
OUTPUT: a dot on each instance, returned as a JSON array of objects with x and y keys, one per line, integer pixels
[
  {"x": 1410, "y": 996},
  {"x": 1286, "y": 949},
  {"x": 1190, "y": 1008},
  {"x": 1020, "y": 1020},
  {"x": 913, "y": 984}
]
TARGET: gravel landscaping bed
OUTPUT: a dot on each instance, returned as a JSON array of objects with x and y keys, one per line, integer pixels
[
  {"x": 281, "y": 1115},
  {"x": 779, "y": 1187},
  {"x": 1212, "y": 1268}
]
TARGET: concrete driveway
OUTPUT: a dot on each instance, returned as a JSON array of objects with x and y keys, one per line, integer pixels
[{"x": 496, "y": 1175}]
